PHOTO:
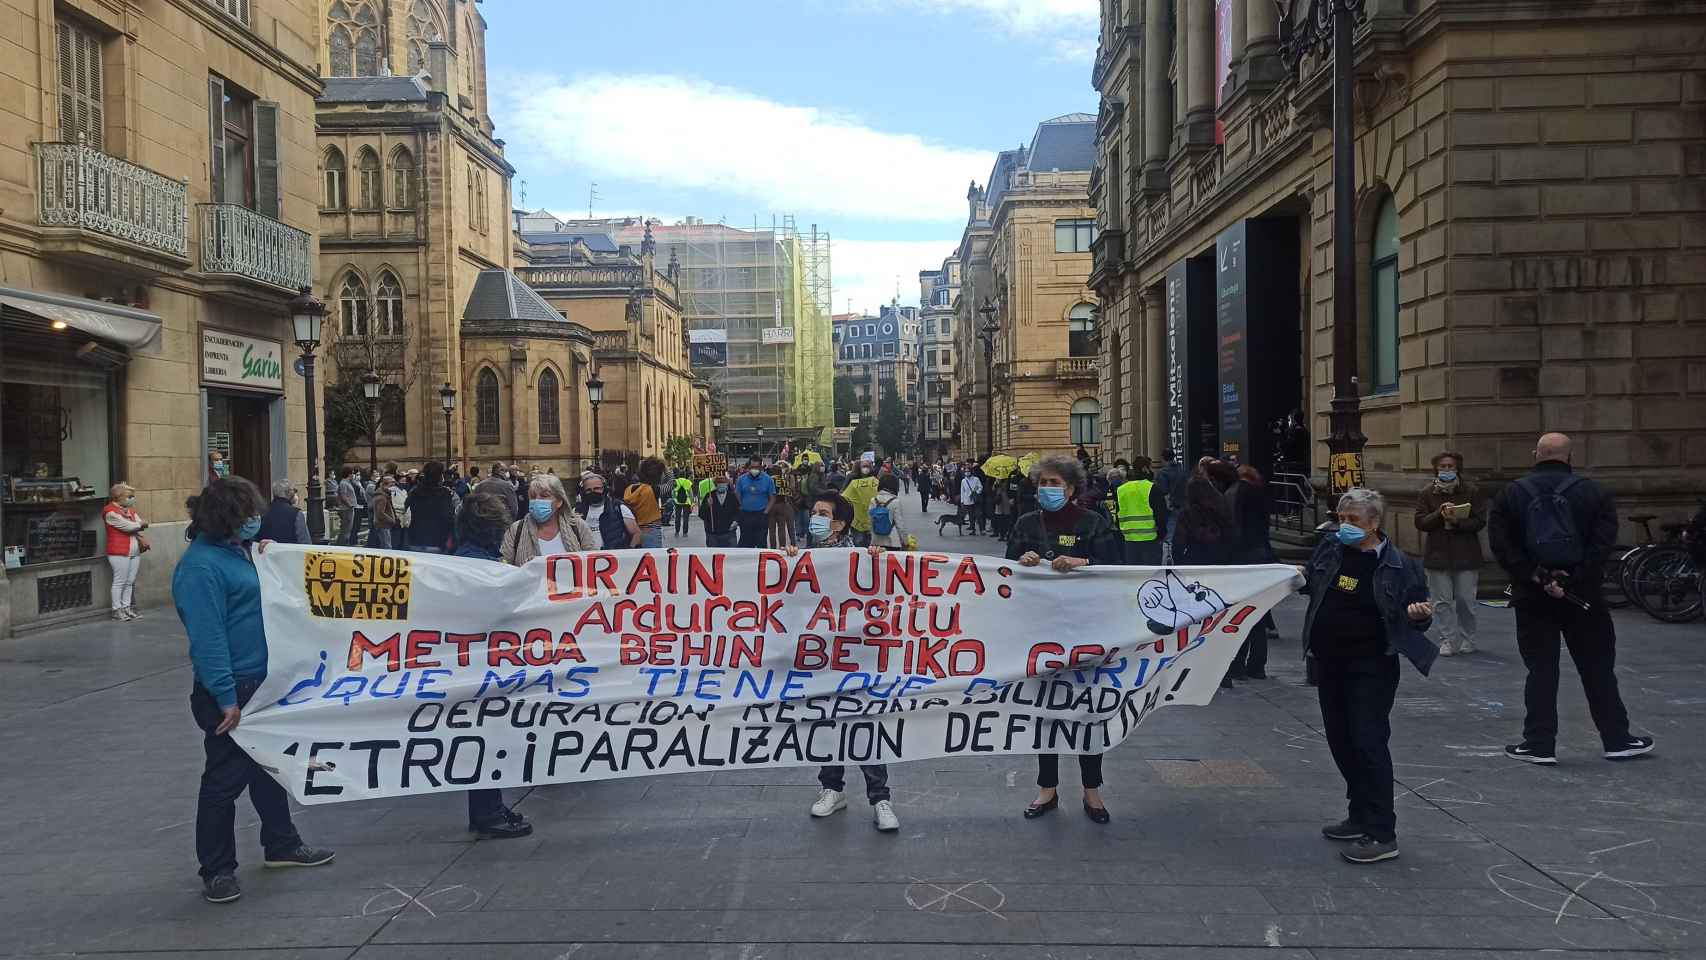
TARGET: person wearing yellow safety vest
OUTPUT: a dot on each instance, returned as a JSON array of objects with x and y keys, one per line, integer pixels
[{"x": 1142, "y": 515}]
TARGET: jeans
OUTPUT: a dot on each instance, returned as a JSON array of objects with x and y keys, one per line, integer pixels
[
  {"x": 1356, "y": 695},
  {"x": 1593, "y": 646},
  {"x": 720, "y": 539},
  {"x": 484, "y": 806},
  {"x": 754, "y": 527},
  {"x": 1089, "y": 770},
  {"x": 124, "y": 580},
  {"x": 782, "y": 525},
  {"x": 380, "y": 538},
  {"x": 1453, "y": 595},
  {"x": 228, "y": 771},
  {"x": 651, "y": 536},
  {"x": 348, "y": 523},
  {"x": 682, "y": 516},
  {"x": 876, "y": 779}
]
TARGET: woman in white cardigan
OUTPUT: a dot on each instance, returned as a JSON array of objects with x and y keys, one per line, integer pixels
[{"x": 551, "y": 525}]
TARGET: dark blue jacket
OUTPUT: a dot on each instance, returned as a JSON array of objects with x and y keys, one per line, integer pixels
[
  {"x": 283, "y": 523},
  {"x": 1398, "y": 582},
  {"x": 612, "y": 529},
  {"x": 218, "y": 596}
]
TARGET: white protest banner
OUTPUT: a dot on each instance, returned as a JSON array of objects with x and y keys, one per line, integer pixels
[{"x": 400, "y": 673}]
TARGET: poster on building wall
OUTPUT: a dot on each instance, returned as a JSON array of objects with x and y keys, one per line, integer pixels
[
  {"x": 1223, "y": 14},
  {"x": 1232, "y": 324},
  {"x": 708, "y": 348},
  {"x": 771, "y": 336},
  {"x": 1176, "y": 356}
]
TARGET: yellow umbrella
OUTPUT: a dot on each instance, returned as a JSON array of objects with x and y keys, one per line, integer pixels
[
  {"x": 808, "y": 456},
  {"x": 1000, "y": 466},
  {"x": 1028, "y": 462}
]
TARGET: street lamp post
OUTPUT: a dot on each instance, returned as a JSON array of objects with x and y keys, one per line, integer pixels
[
  {"x": 1329, "y": 25},
  {"x": 306, "y": 316},
  {"x": 986, "y": 333},
  {"x": 595, "y": 396},
  {"x": 370, "y": 391},
  {"x": 716, "y": 426},
  {"x": 761, "y": 445},
  {"x": 447, "y": 401}
]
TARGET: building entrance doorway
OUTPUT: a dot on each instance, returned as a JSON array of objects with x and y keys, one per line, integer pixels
[{"x": 239, "y": 426}]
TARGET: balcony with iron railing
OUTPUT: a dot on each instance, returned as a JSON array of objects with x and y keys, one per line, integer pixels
[
  {"x": 238, "y": 242},
  {"x": 99, "y": 194}
]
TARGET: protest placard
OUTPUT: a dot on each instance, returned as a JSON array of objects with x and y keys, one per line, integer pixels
[{"x": 400, "y": 673}]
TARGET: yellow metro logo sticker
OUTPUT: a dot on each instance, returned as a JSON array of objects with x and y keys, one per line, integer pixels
[{"x": 356, "y": 586}]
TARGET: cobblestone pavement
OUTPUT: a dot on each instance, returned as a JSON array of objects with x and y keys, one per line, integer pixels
[{"x": 1212, "y": 852}]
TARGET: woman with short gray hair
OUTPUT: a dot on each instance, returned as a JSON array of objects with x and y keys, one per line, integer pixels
[
  {"x": 1368, "y": 603},
  {"x": 1066, "y": 536}
]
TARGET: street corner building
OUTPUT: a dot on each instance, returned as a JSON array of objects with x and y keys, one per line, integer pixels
[
  {"x": 1025, "y": 316},
  {"x": 1529, "y": 237},
  {"x": 157, "y": 213}
]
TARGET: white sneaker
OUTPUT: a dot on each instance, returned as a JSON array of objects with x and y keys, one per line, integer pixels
[
  {"x": 1466, "y": 646},
  {"x": 135, "y": 614},
  {"x": 829, "y": 801},
  {"x": 1447, "y": 648},
  {"x": 883, "y": 812}
]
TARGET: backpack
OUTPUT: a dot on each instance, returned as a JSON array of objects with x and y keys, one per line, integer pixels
[
  {"x": 1549, "y": 531},
  {"x": 882, "y": 522}
]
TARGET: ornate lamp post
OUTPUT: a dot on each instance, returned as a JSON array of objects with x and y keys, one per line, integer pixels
[
  {"x": 447, "y": 401},
  {"x": 761, "y": 440},
  {"x": 1328, "y": 26},
  {"x": 595, "y": 396},
  {"x": 306, "y": 316},
  {"x": 716, "y": 425},
  {"x": 986, "y": 333},
  {"x": 370, "y": 392}
]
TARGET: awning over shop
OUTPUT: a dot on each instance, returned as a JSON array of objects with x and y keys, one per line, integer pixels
[{"x": 125, "y": 326}]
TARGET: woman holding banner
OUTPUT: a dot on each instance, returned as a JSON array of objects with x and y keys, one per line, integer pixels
[
  {"x": 551, "y": 525},
  {"x": 1065, "y": 536},
  {"x": 483, "y": 532}
]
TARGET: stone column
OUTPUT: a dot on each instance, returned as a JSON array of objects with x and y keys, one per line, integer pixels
[
  {"x": 1157, "y": 105},
  {"x": 1197, "y": 71},
  {"x": 1260, "y": 69},
  {"x": 1238, "y": 24}
]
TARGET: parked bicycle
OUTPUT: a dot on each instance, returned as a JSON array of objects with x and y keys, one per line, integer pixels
[{"x": 1663, "y": 578}]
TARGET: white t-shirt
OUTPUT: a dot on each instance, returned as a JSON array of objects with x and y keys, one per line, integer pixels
[
  {"x": 970, "y": 487},
  {"x": 597, "y": 510},
  {"x": 552, "y": 546}
]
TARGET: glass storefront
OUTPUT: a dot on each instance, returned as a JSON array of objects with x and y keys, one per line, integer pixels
[{"x": 56, "y": 453}]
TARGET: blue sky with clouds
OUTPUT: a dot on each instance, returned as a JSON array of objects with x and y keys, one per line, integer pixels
[{"x": 867, "y": 117}]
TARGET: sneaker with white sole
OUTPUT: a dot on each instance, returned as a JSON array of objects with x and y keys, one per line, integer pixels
[
  {"x": 1466, "y": 646},
  {"x": 1447, "y": 648},
  {"x": 828, "y": 802},
  {"x": 1370, "y": 850},
  {"x": 1632, "y": 747},
  {"x": 883, "y": 813},
  {"x": 1528, "y": 753}
]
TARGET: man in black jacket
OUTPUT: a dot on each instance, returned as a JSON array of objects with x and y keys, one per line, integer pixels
[{"x": 1561, "y": 594}]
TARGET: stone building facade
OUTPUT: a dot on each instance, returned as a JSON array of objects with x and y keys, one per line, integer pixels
[
  {"x": 414, "y": 209},
  {"x": 875, "y": 353},
  {"x": 631, "y": 308},
  {"x": 1041, "y": 225},
  {"x": 157, "y": 185},
  {"x": 1531, "y": 246},
  {"x": 938, "y": 437}
]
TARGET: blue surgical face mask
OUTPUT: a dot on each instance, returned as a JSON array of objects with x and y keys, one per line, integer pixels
[
  {"x": 250, "y": 528},
  {"x": 1350, "y": 534},
  {"x": 541, "y": 510},
  {"x": 722, "y": 489},
  {"x": 220, "y": 469},
  {"x": 820, "y": 526},
  {"x": 1051, "y": 498},
  {"x": 1448, "y": 476}
]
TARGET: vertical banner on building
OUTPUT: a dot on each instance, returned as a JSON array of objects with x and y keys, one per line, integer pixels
[
  {"x": 1232, "y": 324},
  {"x": 1177, "y": 355}
]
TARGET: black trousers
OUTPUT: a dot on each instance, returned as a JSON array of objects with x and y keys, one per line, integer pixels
[
  {"x": 1252, "y": 657},
  {"x": 229, "y": 771},
  {"x": 1593, "y": 646},
  {"x": 1143, "y": 553},
  {"x": 484, "y": 805},
  {"x": 876, "y": 779},
  {"x": 1089, "y": 770},
  {"x": 923, "y": 499},
  {"x": 754, "y": 529},
  {"x": 682, "y": 515},
  {"x": 1356, "y": 710}
]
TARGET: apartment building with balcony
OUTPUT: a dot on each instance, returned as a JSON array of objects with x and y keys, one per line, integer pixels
[
  {"x": 1030, "y": 312},
  {"x": 156, "y": 207},
  {"x": 938, "y": 437},
  {"x": 876, "y": 353}
]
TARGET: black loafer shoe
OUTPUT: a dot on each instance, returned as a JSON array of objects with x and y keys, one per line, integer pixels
[
  {"x": 508, "y": 825},
  {"x": 1036, "y": 810},
  {"x": 1096, "y": 814}
]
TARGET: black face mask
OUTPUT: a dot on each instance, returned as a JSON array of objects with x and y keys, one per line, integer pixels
[{"x": 589, "y": 497}]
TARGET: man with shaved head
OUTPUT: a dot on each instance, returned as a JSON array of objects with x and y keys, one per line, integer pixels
[{"x": 1552, "y": 531}]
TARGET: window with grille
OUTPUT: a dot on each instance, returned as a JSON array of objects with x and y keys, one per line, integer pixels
[
  {"x": 549, "y": 429},
  {"x": 352, "y": 307},
  {"x": 352, "y": 39},
  {"x": 486, "y": 407},
  {"x": 237, "y": 10},
  {"x": 402, "y": 178},
  {"x": 389, "y": 299},
  {"x": 335, "y": 173},
  {"x": 81, "y": 109}
]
